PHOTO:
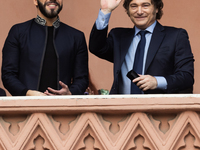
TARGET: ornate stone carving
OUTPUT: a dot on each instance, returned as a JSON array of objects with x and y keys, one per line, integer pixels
[
  {"x": 189, "y": 143},
  {"x": 13, "y": 125},
  {"x": 89, "y": 143},
  {"x": 100, "y": 124},
  {"x": 88, "y": 140},
  {"x": 139, "y": 143},
  {"x": 113, "y": 124},
  {"x": 163, "y": 123},
  {"x": 188, "y": 140},
  {"x": 139, "y": 140},
  {"x": 39, "y": 144},
  {"x": 38, "y": 141},
  {"x": 63, "y": 124}
]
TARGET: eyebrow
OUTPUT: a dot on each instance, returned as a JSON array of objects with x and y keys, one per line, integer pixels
[{"x": 141, "y": 3}]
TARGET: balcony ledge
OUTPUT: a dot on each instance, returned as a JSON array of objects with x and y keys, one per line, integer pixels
[{"x": 102, "y": 103}]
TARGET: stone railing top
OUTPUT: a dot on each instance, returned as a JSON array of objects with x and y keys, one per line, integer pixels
[
  {"x": 102, "y": 103},
  {"x": 102, "y": 96}
]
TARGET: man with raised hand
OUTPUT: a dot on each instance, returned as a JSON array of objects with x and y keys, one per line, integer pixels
[{"x": 160, "y": 55}]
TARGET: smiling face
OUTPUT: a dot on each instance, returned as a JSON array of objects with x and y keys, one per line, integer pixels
[
  {"x": 49, "y": 8},
  {"x": 142, "y": 13}
]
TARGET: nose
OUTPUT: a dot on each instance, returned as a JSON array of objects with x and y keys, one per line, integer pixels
[{"x": 139, "y": 10}]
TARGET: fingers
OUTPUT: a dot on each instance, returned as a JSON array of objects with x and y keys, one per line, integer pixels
[
  {"x": 146, "y": 82},
  {"x": 63, "y": 85},
  {"x": 145, "y": 87},
  {"x": 55, "y": 92},
  {"x": 109, "y": 5},
  {"x": 88, "y": 91},
  {"x": 118, "y": 1},
  {"x": 49, "y": 94},
  {"x": 141, "y": 83},
  {"x": 63, "y": 91}
]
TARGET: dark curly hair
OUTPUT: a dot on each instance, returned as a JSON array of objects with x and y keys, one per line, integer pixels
[{"x": 157, "y": 3}]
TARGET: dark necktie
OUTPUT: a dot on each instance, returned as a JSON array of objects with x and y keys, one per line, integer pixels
[{"x": 138, "y": 62}]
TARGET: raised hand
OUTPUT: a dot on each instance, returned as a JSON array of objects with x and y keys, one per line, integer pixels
[{"x": 108, "y": 6}]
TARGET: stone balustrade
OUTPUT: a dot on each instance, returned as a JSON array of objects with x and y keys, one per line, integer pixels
[{"x": 98, "y": 122}]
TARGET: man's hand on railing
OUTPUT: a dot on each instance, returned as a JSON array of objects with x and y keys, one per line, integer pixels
[
  {"x": 35, "y": 93},
  {"x": 64, "y": 91}
]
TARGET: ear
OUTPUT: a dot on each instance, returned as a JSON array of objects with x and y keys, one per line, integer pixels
[
  {"x": 156, "y": 10},
  {"x": 35, "y": 2}
]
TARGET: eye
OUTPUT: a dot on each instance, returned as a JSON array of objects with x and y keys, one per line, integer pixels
[
  {"x": 133, "y": 6},
  {"x": 146, "y": 5}
]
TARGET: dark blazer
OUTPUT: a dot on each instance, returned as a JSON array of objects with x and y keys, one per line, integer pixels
[
  {"x": 169, "y": 55},
  {"x": 23, "y": 55},
  {"x": 2, "y": 92}
]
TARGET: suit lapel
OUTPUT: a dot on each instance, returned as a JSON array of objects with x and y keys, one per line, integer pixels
[{"x": 156, "y": 40}]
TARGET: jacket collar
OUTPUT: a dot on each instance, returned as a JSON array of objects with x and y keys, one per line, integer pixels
[{"x": 42, "y": 21}]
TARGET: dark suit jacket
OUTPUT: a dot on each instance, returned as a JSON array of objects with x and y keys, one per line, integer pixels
[
  {"x": 2, "y": 92},
  {"x": 23, "y": 55},
  {"x": 169, "y": 55}
]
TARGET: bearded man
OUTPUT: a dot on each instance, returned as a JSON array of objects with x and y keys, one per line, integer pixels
[{"x": 44, "y": 56}]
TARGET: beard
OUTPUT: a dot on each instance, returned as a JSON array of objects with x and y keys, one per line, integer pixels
[{"x": 49, "y": 14}]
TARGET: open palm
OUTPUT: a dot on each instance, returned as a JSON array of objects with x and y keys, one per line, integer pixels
[{"x": 109, "y": 5}]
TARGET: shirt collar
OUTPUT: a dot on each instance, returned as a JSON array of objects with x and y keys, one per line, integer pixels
[
  {"x": 149, "y": 29},
  {"x": 42, "y": 21}
]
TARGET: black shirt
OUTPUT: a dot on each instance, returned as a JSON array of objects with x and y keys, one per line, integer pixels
[{"x": 49, "y": 69}]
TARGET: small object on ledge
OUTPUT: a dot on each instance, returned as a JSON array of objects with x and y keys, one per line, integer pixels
[
  {"x": 86, "y": 93},
  {"x": 103, "y": 92}
]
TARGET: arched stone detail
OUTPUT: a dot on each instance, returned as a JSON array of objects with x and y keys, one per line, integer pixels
[
  {"x": 189, "y": 139},
  {"x": 38, "y": 139},
  {"x": 114, "y": 124},
  {"x": 13, "y": 125},
  {"x": 139, "y": 143},
  {"x": 89, "y": 143},
  {"x": 138, "y": 135},
  {"x": 163, "y": 123},
  {"x": 88, "y": 139},
  {"x": 64, "y": 124},
  {"x": 189, "y": 143},
  {"x": 39, "y": 143}
]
